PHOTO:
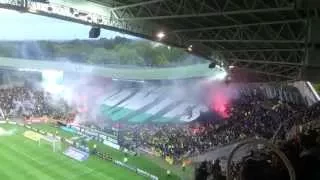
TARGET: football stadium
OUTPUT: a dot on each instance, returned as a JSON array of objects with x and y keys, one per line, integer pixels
[{"x": 159, "y": 89}]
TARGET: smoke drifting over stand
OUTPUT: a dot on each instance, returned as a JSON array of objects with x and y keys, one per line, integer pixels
[{"x": 77, "y": 88}]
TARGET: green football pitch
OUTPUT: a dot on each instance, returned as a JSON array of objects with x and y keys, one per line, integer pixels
[{"x": 23, "y": 159}]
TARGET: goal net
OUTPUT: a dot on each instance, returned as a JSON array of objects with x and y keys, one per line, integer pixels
[{"x": 52, "y": 141}]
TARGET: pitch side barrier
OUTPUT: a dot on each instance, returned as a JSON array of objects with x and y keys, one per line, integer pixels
[
  {"x": 89, "y": 133},
  {"x": 106, "y": 139},
  {"x": 110, "y": 141}
]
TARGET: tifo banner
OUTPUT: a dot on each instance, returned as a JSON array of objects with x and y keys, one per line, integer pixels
[
  {"x": 76, "y": 154},
  {"x": 32, "y": 135}
]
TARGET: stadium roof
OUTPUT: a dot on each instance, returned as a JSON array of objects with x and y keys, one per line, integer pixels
[
  {"x": 272, "y": 38},
  {"x": 119, "y": 72}
]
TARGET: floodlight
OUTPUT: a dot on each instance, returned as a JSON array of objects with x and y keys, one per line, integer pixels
[
  {"x": 161, "y": 35},
  {"x": 219, "y": 76}
]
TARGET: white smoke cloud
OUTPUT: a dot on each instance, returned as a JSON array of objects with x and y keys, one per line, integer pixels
[{"x": 4, "y": 132}]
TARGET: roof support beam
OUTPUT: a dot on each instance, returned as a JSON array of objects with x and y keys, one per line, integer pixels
[
  {"x": 239, "y": 25},
  {"x": 226, "y": 13},
  {"x": 136, "y": 4},
  {"x": 261, "y": 50},
  {"x": 246, "y": 41},
  {"x": 266, "y": 73},
  {"x": 265, "y": 62}
]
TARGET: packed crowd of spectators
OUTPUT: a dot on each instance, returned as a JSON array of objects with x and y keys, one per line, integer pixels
[
  {"x": 28, "y": 102},
  {"x": 249, "y": 116}
]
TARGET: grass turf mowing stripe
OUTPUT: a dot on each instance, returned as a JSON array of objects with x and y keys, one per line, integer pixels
[
  {"x": 13, "y": 170},
  {"x": 99, "y": 169},
  {"x": 63, "y": 172},
  {"x": 59, "y": 166},
  {"x": 33, "y": 165},
  {"x": 4, "y": 175},
  {"x": 26, "y": 166},
  {"x": 56, "y": 165},
  {"x": 136, "y": 161},
  {"x": 57, "y": 159},
  {"x": 45, "y": 159},
  {"x": 70, "y": 163},
  {"x": 109, "y": 169}
]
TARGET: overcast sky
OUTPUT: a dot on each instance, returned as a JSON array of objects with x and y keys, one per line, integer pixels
[{"x": 23, "y": 26}]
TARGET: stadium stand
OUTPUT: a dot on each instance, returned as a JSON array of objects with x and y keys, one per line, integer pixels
[
  {"x": 255, "y": 112},
  {"x": 132, "y": 104},
  {"x": 193, "y": 113},
  {"x": 112, "y": 105},
  {"x": 143, "y": 105},
  {"x": 154, "y": 104},
  {"x": 149, "y": 100}
]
